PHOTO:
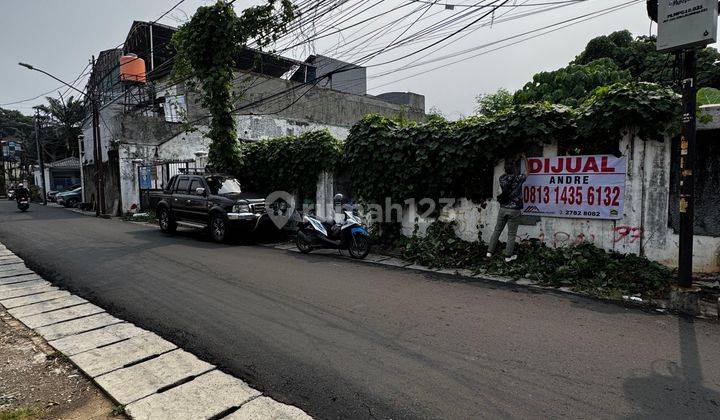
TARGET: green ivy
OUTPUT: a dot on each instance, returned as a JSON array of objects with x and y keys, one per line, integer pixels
[
  {"x": 388, "y": 158},
  {"x": 291, "y": 163},
  {"x": 651, "y": 110},
  {"x": 206, "y": 49}
]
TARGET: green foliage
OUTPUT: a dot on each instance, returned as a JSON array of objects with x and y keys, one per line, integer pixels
[
  {"x": 291, "y": 163},
  {"x": 640, "y": 57},
  {"x": 61, "y": 131},
  {"x": 14, "y": 123},
  {"x": 708, "y": 96},
  {"x": 385, "y": 158},
  {"x": 651, "y": 110},
  {"x": 571, "y": 85},
  {"x": 491, "y": 104},
  {"x": 586, "y": 268},
  {"x": 582, "y": 267},
  {"x": 444, "y": 159},
  {"x": 206, "y": 48},
  {"x": 441, "y": 248}
]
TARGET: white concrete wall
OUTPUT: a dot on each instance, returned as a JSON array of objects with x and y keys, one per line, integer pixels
[{"x": 261, "y": 127}]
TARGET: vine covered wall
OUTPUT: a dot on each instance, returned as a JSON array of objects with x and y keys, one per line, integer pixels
[
  {"x": 387, "y": 158},
  {"x": 290, "y": 163},
  {"x": 384, "y": 157}
]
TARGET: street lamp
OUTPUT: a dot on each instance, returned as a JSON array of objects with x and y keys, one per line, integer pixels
[
  {"x": 99, "y": 190},
  {"x": 28, "y": 66}
]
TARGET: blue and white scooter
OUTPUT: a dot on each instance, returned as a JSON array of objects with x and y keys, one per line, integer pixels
[{"x": 350, "y": 234}]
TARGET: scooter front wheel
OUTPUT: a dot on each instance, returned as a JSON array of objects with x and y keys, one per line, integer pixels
[
  {"x": 304, "y": 246},
  {"x": 359, "y": 246}
]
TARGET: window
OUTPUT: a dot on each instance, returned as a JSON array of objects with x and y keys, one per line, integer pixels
[
  {"x": 195, "y": 184},
  {"x": 182, "y": 184},
  {"x": 221, "y": 185},
  {"x": 169, "y": 187}
]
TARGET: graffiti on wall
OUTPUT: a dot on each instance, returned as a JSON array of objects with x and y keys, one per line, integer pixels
[{"x": 631, "y": 234}]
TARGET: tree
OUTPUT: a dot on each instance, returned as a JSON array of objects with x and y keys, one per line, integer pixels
[
  {"x": 640, "y": 57},
  {"x": 13, "y": 123},
  {"x": 491, "y": 104},
  {"x": 62, "y": 126},
  {"x": 571, "y": 85},
  {"x": 206, "y": 49}
]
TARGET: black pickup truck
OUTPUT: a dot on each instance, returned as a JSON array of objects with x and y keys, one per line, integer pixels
[{"x": 213, "y": 201}]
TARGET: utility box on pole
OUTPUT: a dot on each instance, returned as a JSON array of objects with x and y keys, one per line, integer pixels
[{"x": 686, "y": 23}]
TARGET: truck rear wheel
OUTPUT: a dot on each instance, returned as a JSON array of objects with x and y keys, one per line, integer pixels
[{"x": 167, "y": 224}]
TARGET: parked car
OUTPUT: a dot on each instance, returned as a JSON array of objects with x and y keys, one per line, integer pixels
[
  {"x": 52, "y": 194},
  {"x": 214, "y": 201},
  {"x": 70, "y": 198}
]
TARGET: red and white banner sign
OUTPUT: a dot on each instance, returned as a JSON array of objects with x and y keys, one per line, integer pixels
[{"x": 586, "y": 187}]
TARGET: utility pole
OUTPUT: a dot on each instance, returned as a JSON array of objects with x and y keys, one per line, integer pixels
[
  {"x": 97, "y": 145},
  {"x": 41, "y": 161},
  {"x": 684, "y": 26},
  {"x": 687, "y": 164},
  {"x": 2, "y": 174}
]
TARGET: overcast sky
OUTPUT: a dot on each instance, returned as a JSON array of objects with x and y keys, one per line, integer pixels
[{"x": 60, "y": 37}]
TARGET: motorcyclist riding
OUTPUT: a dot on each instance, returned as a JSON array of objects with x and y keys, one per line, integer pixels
[{"x": 21, "y": 192}]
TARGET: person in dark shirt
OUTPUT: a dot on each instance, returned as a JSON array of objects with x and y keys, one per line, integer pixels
[
  {"x": 511, "y": 204},
  {"x": 21, "y": 192}
]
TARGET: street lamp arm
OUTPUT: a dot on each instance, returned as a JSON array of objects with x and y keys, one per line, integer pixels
[{"x": 28, "y": 66}]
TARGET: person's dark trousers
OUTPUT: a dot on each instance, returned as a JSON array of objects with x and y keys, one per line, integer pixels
[{"x": 511, "y": 217}]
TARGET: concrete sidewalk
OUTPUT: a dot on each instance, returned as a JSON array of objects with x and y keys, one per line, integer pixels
[{"x": 147, "y": 375}]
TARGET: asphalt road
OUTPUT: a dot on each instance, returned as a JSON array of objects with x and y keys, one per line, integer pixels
[{"x": 343, "y": 339}]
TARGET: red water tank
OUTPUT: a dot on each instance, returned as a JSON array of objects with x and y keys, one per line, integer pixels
[{"x": 132, "y": 68}]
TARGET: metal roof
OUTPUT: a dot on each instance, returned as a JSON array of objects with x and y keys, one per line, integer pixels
[{"x": 71, "y": 162}]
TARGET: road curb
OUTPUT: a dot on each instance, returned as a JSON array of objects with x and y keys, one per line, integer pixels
[{"x": 147, "y": 375}]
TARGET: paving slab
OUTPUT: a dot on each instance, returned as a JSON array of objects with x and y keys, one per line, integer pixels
[
  {"x": 5, "y": 251},
  {"x": 25, "y": 292},
  {"x": 48, "y": 318},
  {"x": 12, "y": 267},
  {"x": 394, "y": 262},
  {"x": 421, "y": 267},
  {"x": 47, "y": 306},
  {"x": 14, "y": 273},
  {"x": 464, "y": 272},
  {"x": 138, "y": 381},
  {"x": 29, "y": 300},
  {"x": 204, "y": 397},
  {"x": 525, "y": 282},
  {"x": 77, "y": 326},
  {"x": 96, "y": 362},
  {"x": 490, "y": 277},
  {"x": 374, "y": 258},
  {"x": 263, "y": 408},
  {"x": 23, "y": 285},
  {"x": 19, "y": 279},
  {"x": 325, "y": 251},
  {"x": 4, "y": 261},
  {"x": 89, "y": 340}
]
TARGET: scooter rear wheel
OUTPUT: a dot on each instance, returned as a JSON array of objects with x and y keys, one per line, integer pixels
[{"x": 303, "y": 246}]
